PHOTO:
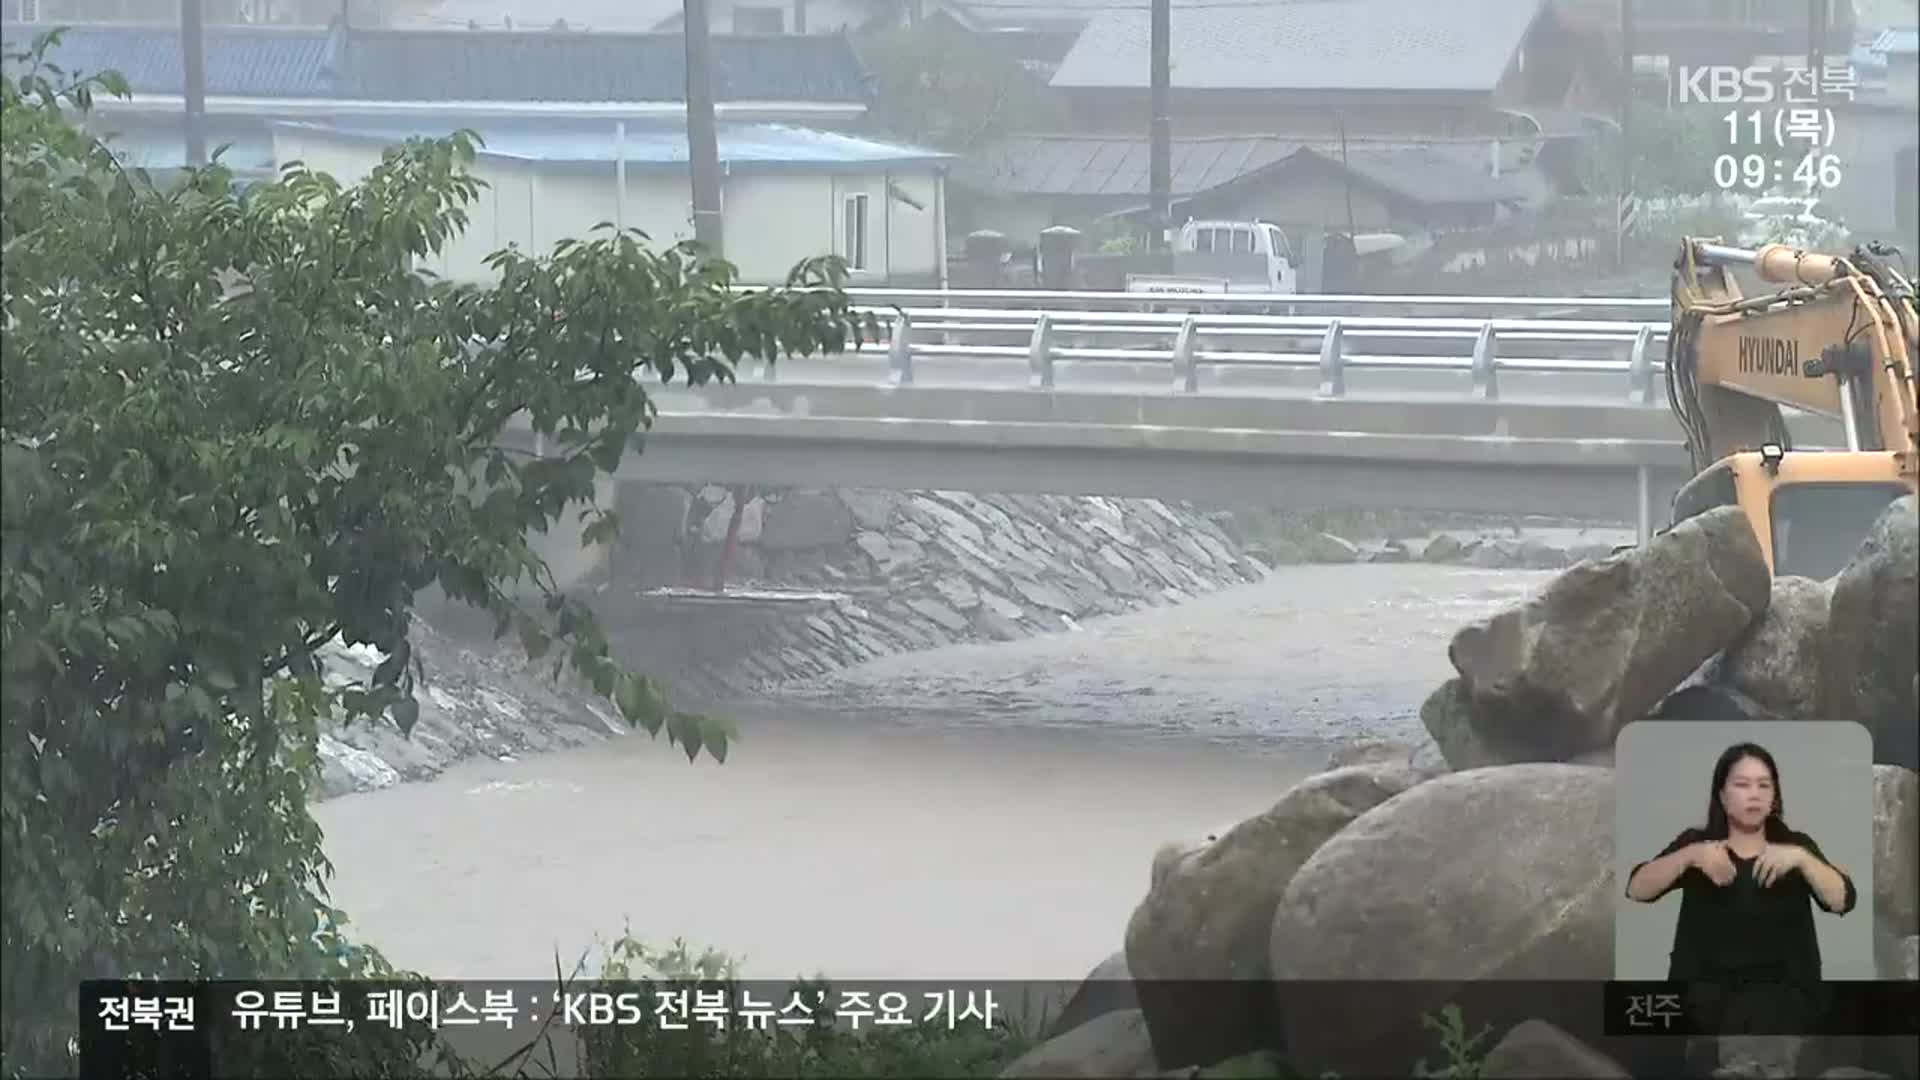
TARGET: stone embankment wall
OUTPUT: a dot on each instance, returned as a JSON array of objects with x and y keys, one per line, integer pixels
[
  {"x": 906, "y": 571},
  {"x": 889, "y": 572},
  {"x": 894, "y": 572}
]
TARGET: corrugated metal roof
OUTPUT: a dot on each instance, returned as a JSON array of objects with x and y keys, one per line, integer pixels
[
  {"x": 629, "y": 16},
  {"x": 556, "y": 66},
  {"x": 241, "y": 61},
  {"x": 461, "y": 65},
  {"x": 1017, "y": 13},
  {"x": 742, "y": 146},
  {"x": 1089, "y": 165},
  {"x": 1898, "y": 41},
  {"x": 1458, "y": 45}
]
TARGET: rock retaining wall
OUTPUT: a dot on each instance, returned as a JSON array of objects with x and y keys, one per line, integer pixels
[
  {"x": 901, "y": 571},
  {"x": 822, "y": 580}
]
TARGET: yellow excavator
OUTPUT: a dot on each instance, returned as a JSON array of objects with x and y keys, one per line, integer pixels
[{"x": 1838, "y": 340}]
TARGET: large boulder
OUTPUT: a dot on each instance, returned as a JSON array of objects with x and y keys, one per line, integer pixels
[
  {"x": 1112, "y": 1045},
  {"x": 1448, "y": 715},
  {"x": 1777, "y": 663},
  {"x": 1870, "y": 671},
  {"x": 1708, "y": 703},
  {"x": 1422, "y": 755},
  {"x": 1896, "y": 958},
  {"x": 1559, "y": 675},
  {"x": 1209, "y": 919},
  {"x": 1107, "y": 988},
  {"x": 1538, "y": 1049},
  {"x": 1896, "y": 848},
  {"x": 1491, "y": 875}
]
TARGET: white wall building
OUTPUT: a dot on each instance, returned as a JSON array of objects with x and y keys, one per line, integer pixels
[{"x": 788, "y": 193}]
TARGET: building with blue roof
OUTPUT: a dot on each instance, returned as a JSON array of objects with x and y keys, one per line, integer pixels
[
  {"x": 561, "y": 114},
  {"x": 256, "y": 75},
  {"x": 787, "y": 192}
]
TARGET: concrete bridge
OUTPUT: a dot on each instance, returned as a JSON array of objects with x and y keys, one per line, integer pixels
[{"x": 1494, "y": 416}]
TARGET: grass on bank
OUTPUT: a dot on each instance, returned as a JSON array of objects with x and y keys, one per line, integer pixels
[{"x": 1464, "y": 1058}]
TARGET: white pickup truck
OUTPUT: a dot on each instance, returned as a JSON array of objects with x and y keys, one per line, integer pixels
[{"x": 1240, "y": 256}]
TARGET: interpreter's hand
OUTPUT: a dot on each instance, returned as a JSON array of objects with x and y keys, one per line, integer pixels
[
  {"x": 1710, "y": 858},
  {"x": 1777, "y": 861}
]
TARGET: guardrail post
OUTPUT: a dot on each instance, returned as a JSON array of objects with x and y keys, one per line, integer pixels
[
  {"x": 1186, "y": 369},
  {"x": 1040, "y": 353},
  {"x": 1643, "y": 505},
  {"x": 1640, "y": 368},
  {"x": 1486, "y": 382},
  {"x": 900, "y": 349},
  {"x": 1333, "y": 361}
]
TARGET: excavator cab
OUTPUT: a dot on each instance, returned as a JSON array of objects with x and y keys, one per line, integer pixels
[
  {"x": 1839, "y": 341},
  {"x": 1811, "y": 509}
]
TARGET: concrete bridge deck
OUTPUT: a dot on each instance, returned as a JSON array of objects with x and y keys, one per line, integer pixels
[{"x": 1580, "y": 459}]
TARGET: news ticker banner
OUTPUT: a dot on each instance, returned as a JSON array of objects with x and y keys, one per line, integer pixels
[{"x": 214, "y": 1028}]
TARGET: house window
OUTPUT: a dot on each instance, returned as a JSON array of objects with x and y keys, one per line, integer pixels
[
  {"x": 759, "y": 20},
  {"x": 855, "y": 224},
  {"x": 26, "y": 11}
]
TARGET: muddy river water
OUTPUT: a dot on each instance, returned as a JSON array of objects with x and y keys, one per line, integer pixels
[{"x": 971, "y": 812}]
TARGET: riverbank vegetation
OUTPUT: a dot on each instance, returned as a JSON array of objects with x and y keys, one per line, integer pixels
[{"x": 235, "y": 426}]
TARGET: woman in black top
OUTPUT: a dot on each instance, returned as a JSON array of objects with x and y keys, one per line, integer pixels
[{"x": 1748, "y": 883}]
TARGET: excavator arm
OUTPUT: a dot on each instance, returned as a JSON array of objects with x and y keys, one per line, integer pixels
[{"x": 1839, "y": 340}]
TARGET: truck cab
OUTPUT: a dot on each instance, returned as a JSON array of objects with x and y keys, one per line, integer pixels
[
  {"x": 1225, "y": 256},
  {"x": 1245, "y": 246}
]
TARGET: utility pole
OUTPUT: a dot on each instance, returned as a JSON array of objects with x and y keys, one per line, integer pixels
[
  {"x": 703, "y": 140},
  {"x": 1626, "y": 132},
  {"x": 1818, "y": 14},
  {"x": 1159, "y": 132},
  {"x": 193, "y": 65}
]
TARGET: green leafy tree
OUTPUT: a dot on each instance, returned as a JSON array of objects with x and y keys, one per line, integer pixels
[
  {"x": 945, "y": 86},
  {"x": 1671, "y": 152},
  {"x": 235, "y": 426}
]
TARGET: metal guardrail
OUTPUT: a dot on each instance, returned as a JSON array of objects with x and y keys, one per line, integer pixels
[
  {"x": 1176, "y": 339},
  {"x": 1621, "y": 307}
]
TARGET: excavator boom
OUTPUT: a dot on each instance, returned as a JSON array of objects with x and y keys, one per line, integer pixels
[{"x": 1838, "y": 340}]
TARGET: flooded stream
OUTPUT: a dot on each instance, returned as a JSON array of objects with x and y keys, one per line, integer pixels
[{"x": 971, "y": 812}]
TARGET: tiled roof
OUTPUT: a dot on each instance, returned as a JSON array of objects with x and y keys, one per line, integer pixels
[
  {"x": 391, "y": 65},
  {"x": 1430, "y": 176},
  {"x": 1408, "y": 45},
  {"x": 742, "y": 146},
  {"x": 1090, "y": 165},
  {"x": 1052, "y": 165}
]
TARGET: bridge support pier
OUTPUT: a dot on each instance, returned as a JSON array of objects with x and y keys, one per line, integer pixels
[{"x": 741, "y": 494}]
